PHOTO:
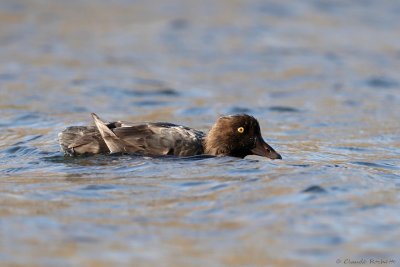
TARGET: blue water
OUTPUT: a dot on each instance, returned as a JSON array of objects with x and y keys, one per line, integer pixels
[{"x": 321, "y": 77}]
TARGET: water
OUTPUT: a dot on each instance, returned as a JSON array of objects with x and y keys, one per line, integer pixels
[{"x": 322, "y": 77}]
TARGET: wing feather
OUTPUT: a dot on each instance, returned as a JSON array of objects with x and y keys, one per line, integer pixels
[
  {"x": 113, "y": 142},
  {"x": 153, "y": 139},
  {"x": 162, "y": 138}
]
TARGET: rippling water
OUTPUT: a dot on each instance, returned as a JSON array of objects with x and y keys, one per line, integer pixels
[{"x": 322, "y": 77}]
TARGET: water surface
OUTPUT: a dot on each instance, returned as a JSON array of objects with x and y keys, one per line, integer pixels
[{"x": 322, "y": 77}]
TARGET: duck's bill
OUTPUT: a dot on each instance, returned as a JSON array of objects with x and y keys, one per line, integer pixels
[{"x": 264, "y": 150}]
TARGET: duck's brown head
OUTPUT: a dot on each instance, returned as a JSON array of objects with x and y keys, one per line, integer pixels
[{"x": 237, "y": 136}]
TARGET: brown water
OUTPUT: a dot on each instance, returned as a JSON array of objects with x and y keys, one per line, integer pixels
[{"x": 322, "y": 77}]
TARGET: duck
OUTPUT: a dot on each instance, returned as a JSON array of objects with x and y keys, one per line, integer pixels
[{"x": 237, "y": 135}]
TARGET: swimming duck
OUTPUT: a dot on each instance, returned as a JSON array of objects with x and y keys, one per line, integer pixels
[{"x": 235, "y": 135}]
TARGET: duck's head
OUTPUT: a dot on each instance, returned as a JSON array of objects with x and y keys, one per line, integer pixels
[{"x": 238, "y": 136}]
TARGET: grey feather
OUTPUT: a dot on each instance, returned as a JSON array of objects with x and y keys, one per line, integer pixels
[
  {"x": 81, "y": 140},
  {"x": 152, "y": 139},
  {"x": 114, "y": 143}
]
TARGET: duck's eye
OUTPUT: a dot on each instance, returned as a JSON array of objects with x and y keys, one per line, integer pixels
[{"x": 240, "y": 129}]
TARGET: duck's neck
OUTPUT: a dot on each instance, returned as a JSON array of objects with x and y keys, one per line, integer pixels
[{"x": 213, "y": 145}]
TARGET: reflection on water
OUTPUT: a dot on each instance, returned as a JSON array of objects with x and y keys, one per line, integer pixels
[{"x": 321, "y": 77}]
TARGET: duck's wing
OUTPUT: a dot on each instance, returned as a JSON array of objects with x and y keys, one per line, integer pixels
[
  {"x": 154, "y": 139},
  {"x": 163, "y": 139},
  {"x": 76, "y": 140},
  {"x": 113, "y": 142}
]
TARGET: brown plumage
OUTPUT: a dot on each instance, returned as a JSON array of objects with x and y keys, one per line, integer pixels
[{"x": 235, "y": 135}]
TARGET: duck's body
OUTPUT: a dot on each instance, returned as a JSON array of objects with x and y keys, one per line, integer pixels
[{"x": 159, "y": 138}]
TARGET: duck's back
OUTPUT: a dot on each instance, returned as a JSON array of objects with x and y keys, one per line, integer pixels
[
  {"x": 159, "y": 138},
  {"x": 153, "y": 139}
]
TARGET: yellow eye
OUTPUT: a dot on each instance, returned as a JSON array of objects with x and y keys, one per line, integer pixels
[{"x": 240, "y": 129}]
